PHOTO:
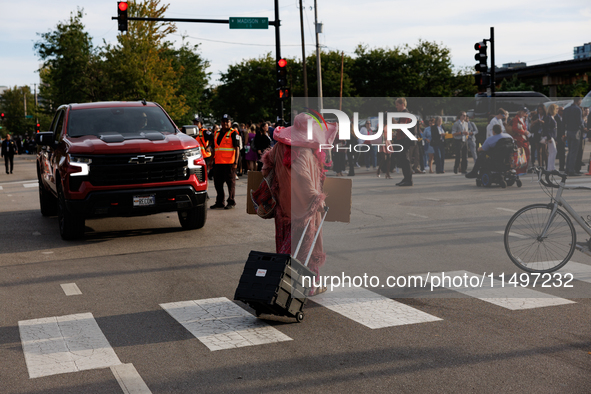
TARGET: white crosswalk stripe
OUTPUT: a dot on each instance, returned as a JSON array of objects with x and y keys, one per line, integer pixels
[
  {"x": 221, "y": 324},
  {"x": 580, "y": 271},
  {"x": 510, "y": 297},
  {"x": 63, "y": 344},
  {"x": 371, "y": 309}
]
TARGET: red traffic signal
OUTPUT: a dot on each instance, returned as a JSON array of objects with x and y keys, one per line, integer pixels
[
  {"x": 282, "y": 72},
  {"x": 38, "y": 128},
  {"x": 2, "y": 115},
  {"x": 122, "y": 15},
  {"x": 481, "y": 57}
]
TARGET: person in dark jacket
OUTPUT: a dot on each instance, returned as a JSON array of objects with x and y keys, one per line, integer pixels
[
  {"x": 573, "y": 127},
  {"x": 549, "y": 135},
  {"x": 9, "y": 149}
]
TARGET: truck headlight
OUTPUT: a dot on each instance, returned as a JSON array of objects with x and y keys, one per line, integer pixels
[
  {"x": 192, "y": 155},
  {"x": 81, "y": 164}
]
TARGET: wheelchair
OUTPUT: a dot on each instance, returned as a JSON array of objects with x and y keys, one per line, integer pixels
[{"x": 499, "y": 167}]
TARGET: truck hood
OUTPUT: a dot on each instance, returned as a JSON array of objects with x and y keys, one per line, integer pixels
[{"x": 115, "y": 143}]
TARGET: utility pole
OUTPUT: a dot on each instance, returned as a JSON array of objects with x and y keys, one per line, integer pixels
[
  {"x": 25, "y": 100},
  {"x": 304, "y": 55},
  {"x": 318, "y": 62}
]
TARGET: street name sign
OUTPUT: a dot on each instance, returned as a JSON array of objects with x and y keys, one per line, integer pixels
[{"x": 249, "y": 23}]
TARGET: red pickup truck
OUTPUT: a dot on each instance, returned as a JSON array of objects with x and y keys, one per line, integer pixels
[{"x": 118, "y": 159}]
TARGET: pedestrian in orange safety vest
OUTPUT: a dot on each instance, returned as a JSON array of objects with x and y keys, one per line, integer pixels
[
  {"x": 205, "y": 139},
  {"x": 227, "y": 151}
]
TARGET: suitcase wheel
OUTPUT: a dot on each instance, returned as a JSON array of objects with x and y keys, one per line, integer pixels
[{"x": 299, "y": 316}]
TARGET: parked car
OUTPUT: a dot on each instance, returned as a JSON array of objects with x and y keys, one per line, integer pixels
[{"x": 118, "y": 159}]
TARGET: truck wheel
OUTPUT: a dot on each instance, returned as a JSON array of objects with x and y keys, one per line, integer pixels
[
  {"x": 71, "y": 227},
  {"x": 194, "y": 218},
  {"x": 47, "y": 201}
]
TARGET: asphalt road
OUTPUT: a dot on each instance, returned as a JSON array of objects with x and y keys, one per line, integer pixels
[{"x": 130, "y": 272}]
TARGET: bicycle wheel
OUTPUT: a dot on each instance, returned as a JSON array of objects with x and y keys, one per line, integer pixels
[{"x": 531, "y": 253}]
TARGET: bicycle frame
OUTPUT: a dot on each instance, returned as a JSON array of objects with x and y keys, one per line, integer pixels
[{"x": 559, "y": 201}]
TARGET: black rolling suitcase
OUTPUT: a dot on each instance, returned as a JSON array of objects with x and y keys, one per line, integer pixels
[{"x": 272, "y": 282}]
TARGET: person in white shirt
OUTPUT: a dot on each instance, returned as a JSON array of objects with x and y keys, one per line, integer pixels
[
  {"x": 370, "y": 156},
  {"x": 498, "y": 119},
  {"x": 471, "y": 138},
  {"x": 460, "y": 131}
]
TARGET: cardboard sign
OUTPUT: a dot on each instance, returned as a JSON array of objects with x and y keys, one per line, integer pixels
[
  {"x": 254, "y": 181},
  {"x": 338, "y": 199},
  {"x": 338, "y": 196}
]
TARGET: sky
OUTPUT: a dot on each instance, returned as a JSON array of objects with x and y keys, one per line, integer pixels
[{"x": 530, "y": 31}]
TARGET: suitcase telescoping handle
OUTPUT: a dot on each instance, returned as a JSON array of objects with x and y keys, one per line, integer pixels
[{"x": 315, "y": 237}]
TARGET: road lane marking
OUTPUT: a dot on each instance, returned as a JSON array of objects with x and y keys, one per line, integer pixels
[
  {"x": 580, "y": 271},
  {"x": 509, "y": 297},
  {"x": 432, "y": 199},
  {"x": 507, "y": 210},
  {"x": 63, "y": 344},
  {"x": 221, "y": 324},
  {"x": 512, "y": 234},
  {"x": 31, "y": 184},
  {"x": 419, "y": 216},
  {"x": 371, "y": 309},
  {"x": 129, "y": 379},
  {"x": 71, "y": 289},
  {"x": 17, "y": 182}
]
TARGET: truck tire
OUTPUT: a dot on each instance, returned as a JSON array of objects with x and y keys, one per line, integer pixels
[
  {"x": 194, "y": 218},
  {"x": 71, "y": 227},
  {"x": 47, "y": 201}
]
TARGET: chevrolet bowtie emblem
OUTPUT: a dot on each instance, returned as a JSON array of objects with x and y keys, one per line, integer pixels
[{"x": 141, "y": 159}]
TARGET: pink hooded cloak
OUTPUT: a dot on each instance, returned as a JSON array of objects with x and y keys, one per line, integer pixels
[{"x": 297, "y": 186}]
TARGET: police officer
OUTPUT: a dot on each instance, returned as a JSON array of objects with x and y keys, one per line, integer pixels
[
  {"x": 205, "y": 139},
  {"x": 227, "y": 145},
  {"x": 9, "y": 149}
]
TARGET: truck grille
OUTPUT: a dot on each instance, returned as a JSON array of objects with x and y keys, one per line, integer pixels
[{"x": 129, "y": 169}]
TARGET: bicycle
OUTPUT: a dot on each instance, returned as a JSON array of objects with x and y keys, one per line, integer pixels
[{"x": 541, "y": 237}]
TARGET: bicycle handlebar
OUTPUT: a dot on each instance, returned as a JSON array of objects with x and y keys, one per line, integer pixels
[{"x": 547, "y": 182}]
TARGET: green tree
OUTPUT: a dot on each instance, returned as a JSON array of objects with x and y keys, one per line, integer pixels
[
  {"x": 12, "y": 103},
  {"x": 247, "y": 90},
  {"x": 331, "y": 75},
  {"x": 194, "y": 78},
  {"x": 69, "y": 71},
  {"x": 138, "y": 67}
]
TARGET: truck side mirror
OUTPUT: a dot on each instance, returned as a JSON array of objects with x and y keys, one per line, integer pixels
[
  {"x": 45, "y": 138},
  {"x": 190, "y": 130}
]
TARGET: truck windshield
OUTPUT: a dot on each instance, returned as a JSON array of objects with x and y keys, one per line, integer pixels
[{"x": 121, "y": 120}]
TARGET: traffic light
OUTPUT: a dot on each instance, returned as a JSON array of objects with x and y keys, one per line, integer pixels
[
  {"x": 283, "y": 93},
  {"x": 481, "y": 79},
  {"x": 282, "y": 72},
  {"x": 2, "y": 115},
  {"x": 122, "y": 15},
  {"x": 37, "y": 128},
  {"x": 481, "y": 57}
]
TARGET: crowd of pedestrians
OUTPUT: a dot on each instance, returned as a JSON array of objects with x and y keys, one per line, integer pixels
[
  {"x": 544, "y": 136},
  {"x": 230, "y": 151}
]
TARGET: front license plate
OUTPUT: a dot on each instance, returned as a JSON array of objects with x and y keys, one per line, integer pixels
[{"x": 144, "y": 201}]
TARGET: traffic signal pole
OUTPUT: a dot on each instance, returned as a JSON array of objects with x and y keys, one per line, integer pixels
[
  {"x": 122, "y": 18},
  {"x": 492, "y": 61}
]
